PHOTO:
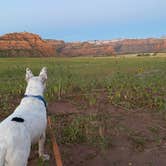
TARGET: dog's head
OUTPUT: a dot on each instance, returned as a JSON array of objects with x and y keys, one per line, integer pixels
[{"x": 36, "y": 84}]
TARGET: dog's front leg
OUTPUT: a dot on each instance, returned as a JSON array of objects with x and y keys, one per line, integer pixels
[{"x": 41, "y": 147}]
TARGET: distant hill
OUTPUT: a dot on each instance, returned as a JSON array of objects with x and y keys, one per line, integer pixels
[
  {"x": 24, "y": 44},
  {"x": 114, "y": 47},
  {"x": 28, "y": 44}
]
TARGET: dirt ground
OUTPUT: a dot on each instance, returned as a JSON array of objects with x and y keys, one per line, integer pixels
[{"x": 138, "y": 138}]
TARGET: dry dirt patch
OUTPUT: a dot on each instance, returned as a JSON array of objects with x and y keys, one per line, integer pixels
[{"x": 137, "y": 138}]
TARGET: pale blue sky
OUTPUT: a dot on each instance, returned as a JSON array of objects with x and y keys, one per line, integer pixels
[{"x": 73, "y": 20}]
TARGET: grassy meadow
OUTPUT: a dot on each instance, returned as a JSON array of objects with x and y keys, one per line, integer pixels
[
  {"x": 89, "y": 83},
  {"x": 138, "y": 82}
]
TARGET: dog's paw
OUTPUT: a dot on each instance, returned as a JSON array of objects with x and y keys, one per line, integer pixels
[{"x": 45, "y": 157}]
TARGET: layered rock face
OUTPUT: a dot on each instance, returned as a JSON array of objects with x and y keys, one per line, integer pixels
[
  {"x": 86, "y": 49},
  {"x": 28, "y": 44},
  {"x": 114, "y": 47},
  {"x": 139, "y": 46},
  {"x": 24, "y": 44}
]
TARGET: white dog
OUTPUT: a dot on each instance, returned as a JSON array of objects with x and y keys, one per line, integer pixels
[{"x": 26, "y": 125}]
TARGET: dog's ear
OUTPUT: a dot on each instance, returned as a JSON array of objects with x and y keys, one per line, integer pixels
[
  {"x": 43, "y": 74},
  {"x": 29, "y": 74}
]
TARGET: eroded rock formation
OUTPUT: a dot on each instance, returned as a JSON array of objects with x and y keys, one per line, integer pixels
[
  {"x": 28, "y": 44},
  {"x": 24, "y": 44}
]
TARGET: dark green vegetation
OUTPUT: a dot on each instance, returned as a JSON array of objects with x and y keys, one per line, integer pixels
[
  {"x": 147, "y": 54},
  {"x": 94, "y": 85}
]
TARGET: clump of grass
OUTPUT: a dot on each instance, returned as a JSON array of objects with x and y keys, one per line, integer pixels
[
  {"x": 131, "y": 91},
  {"x": 41, "y": 162},
  {"x": 90, "y": 129}
]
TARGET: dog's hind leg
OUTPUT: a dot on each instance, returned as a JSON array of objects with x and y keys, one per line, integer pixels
[
  {"x": 41, "y": 147},
  {"x": 17, "y": 156},
  {"x": 2, "y": 155}
]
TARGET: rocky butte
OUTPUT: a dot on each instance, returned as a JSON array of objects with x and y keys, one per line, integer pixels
[
  {"x": 24, "y": 44},
  {"x": 28, "y": 44}
]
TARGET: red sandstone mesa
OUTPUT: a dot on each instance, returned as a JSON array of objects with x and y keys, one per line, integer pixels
[
  {"x": 28, "y": 44},
  {"x": 24, "y": 44}
]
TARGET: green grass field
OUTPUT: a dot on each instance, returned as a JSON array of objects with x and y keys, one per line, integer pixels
[
  {"x": 138, "y": 82},
  {"x": 104, "y": 83}
]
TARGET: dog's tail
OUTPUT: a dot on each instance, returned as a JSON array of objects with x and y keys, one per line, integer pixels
[{"x": 2, "y": 154}]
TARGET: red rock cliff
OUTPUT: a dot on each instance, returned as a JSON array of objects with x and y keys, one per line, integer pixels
[
  {"x": 24, "y": 44},
  {"x": 28, "y": 44},
  {"x": 126, "y": 46}
]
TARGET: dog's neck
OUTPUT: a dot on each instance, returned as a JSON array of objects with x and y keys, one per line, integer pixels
[
  {"x": 31, "y": 91},
  {"x": 34, "y": 89}
]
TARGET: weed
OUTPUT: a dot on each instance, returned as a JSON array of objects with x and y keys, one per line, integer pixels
[{"x": 88, "y": 129}]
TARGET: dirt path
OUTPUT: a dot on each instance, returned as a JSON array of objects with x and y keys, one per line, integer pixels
[{"x": 138, "y": 138}]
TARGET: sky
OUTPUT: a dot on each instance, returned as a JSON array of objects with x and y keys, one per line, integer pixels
[{"x": 81, "y": 20}]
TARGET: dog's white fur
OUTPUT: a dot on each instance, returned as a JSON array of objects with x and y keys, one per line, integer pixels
[{"x": 15, "y": 137}]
